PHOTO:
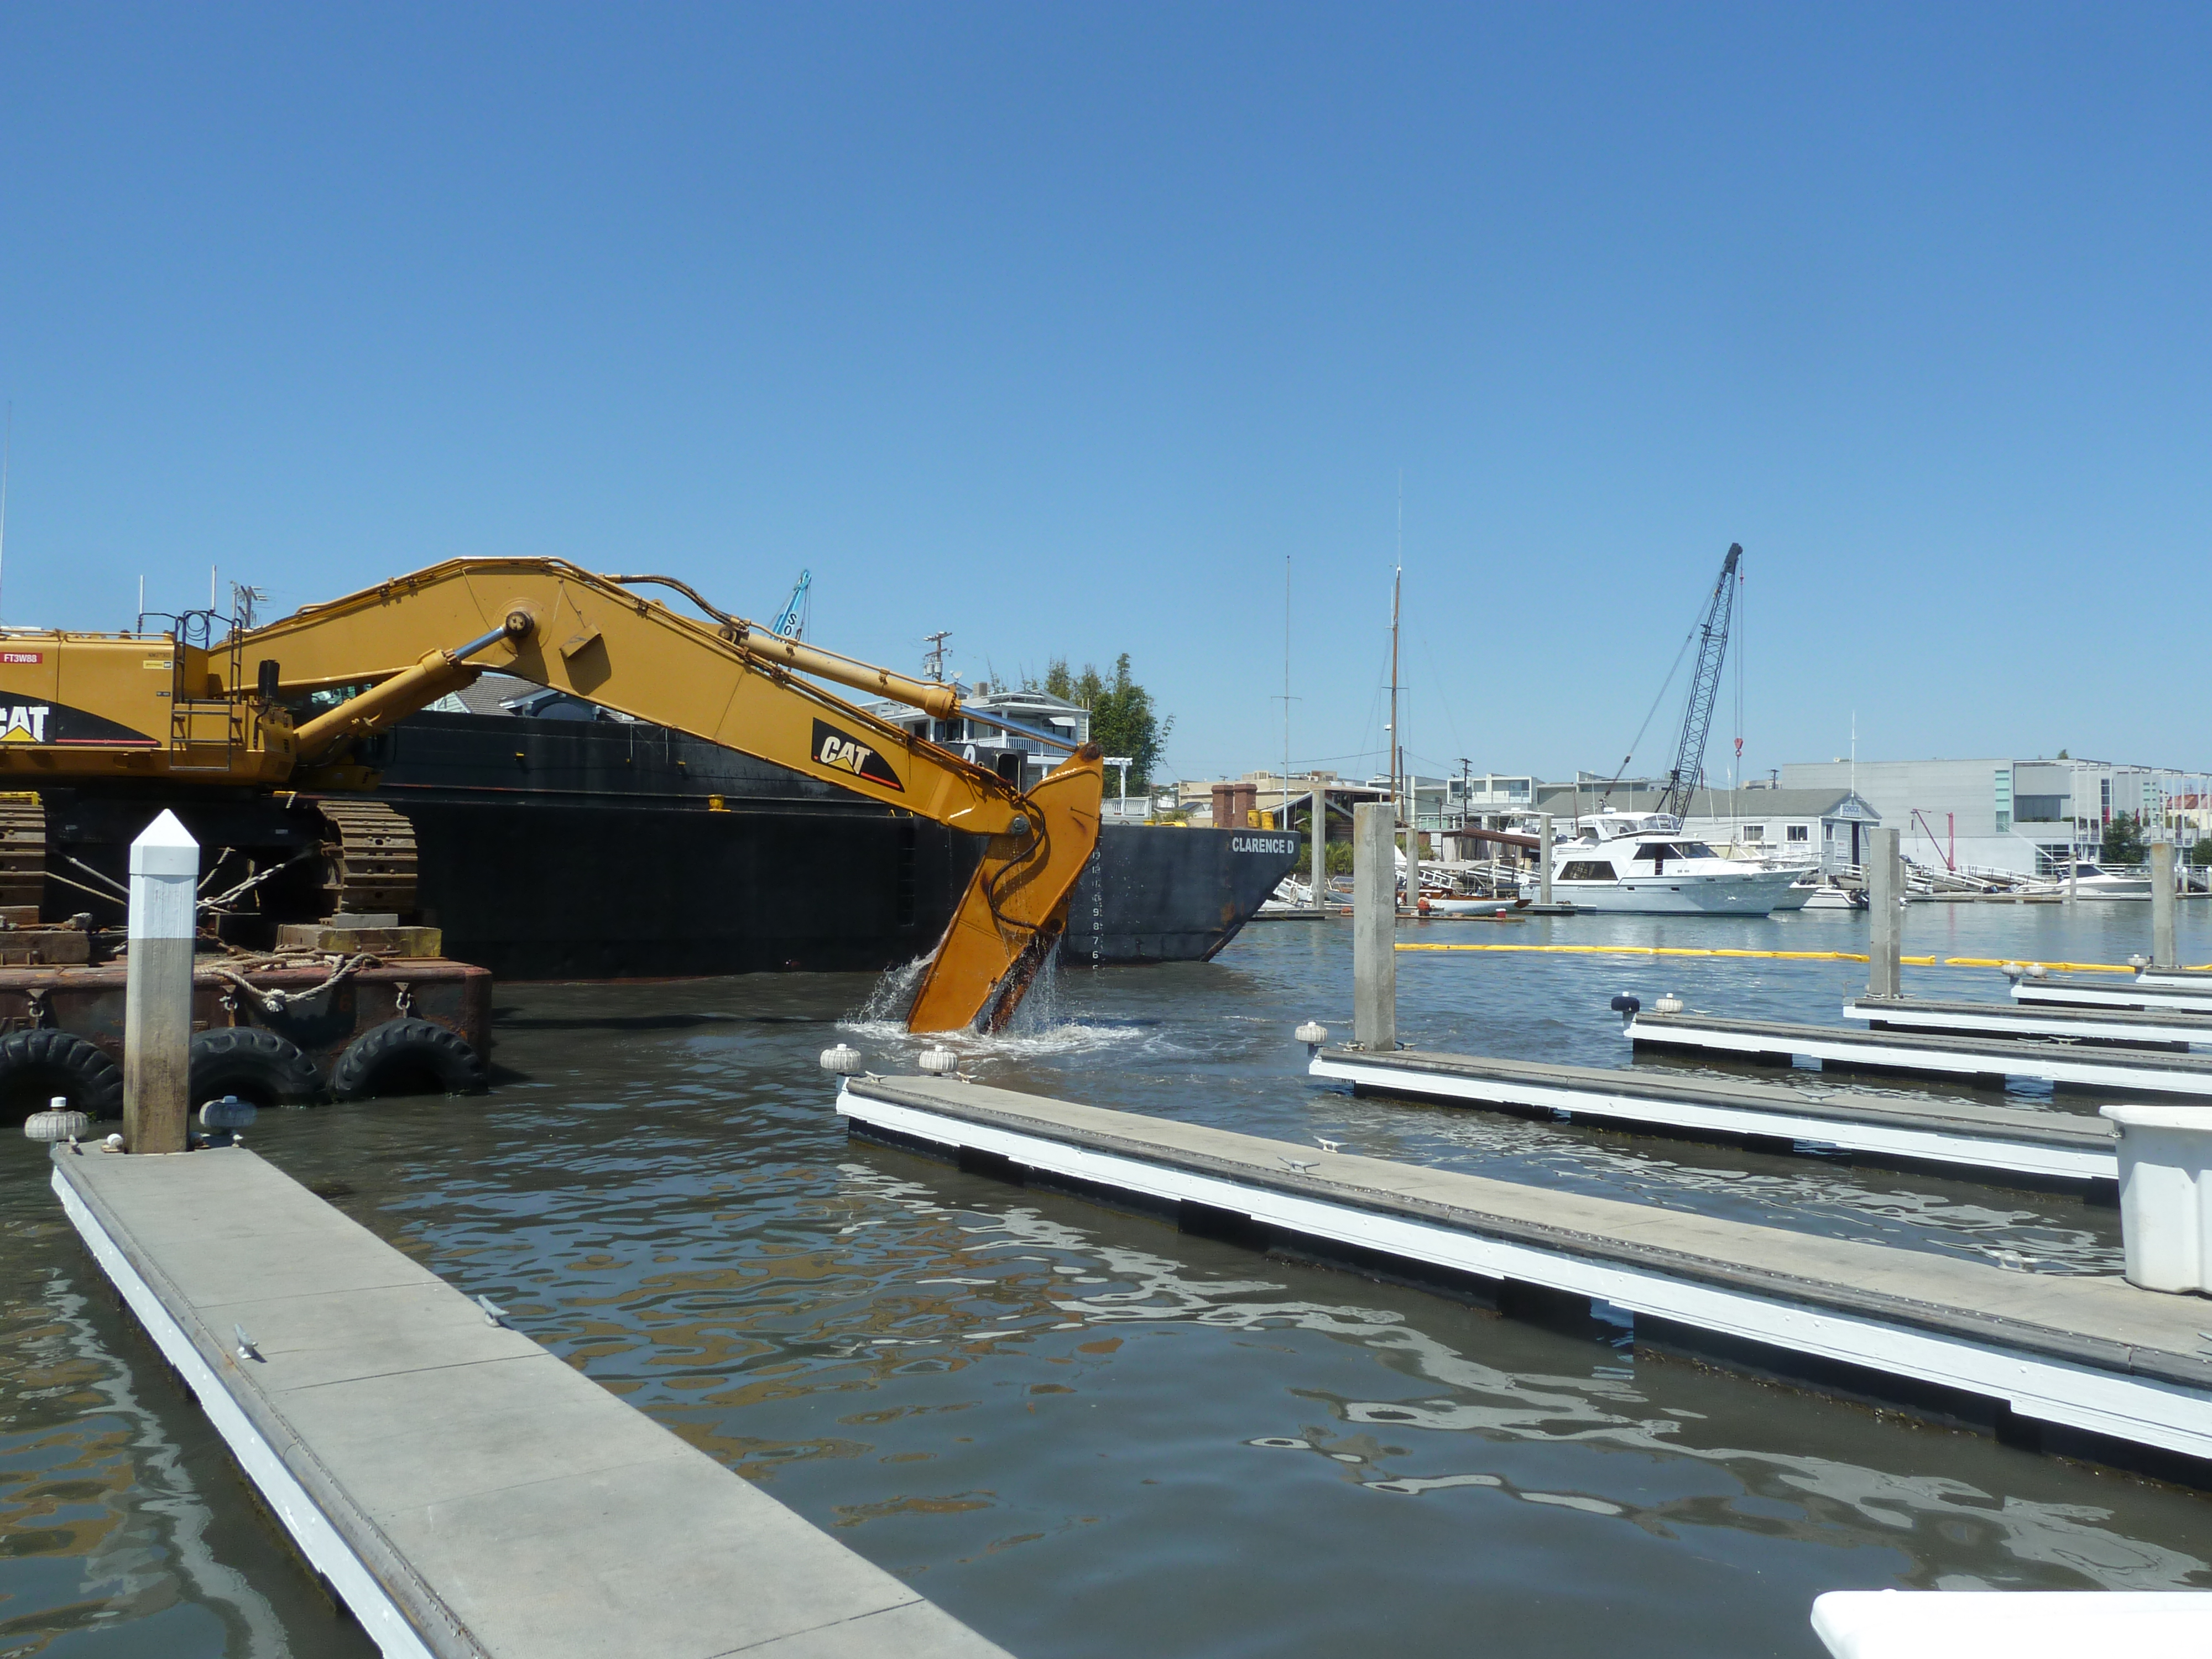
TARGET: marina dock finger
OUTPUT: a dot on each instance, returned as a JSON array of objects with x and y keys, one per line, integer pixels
[
  {"x": 1991, "y": 1140},
  {"x": 1777, "y": 1042},
  {"x": 2086, "y": 1363}
]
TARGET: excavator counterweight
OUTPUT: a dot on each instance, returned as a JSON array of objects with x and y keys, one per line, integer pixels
[{"x": 240, "y": 712}]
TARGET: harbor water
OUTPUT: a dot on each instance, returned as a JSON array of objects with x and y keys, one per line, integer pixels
[{"x": 1080, "y": 1432}]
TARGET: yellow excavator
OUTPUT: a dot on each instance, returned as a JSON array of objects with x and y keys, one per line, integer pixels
[{"x": 271, "y": 713}]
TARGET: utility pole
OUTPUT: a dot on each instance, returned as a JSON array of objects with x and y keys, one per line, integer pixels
[{"x": 933, "y": 660}]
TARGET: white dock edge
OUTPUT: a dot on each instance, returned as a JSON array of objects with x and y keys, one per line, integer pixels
[
  {"x": 465, "y": 1492},
  {"x": 1900, "y": 1140},
  {"x": 2017, "y": 1624},
  {"x": 2152, "y": 1029},
  {"x": 2089, "y": 1354},
  {"x": 1961, "y": 1056}
]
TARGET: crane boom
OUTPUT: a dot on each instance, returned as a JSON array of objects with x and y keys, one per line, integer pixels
[
  {"x": 791, "y": 623},
  {"x": 1689, "y": 769},
  {"x": 163, "y": 711}
]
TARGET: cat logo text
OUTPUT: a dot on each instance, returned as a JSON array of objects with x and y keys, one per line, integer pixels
[{"x": 848, "y": 754}]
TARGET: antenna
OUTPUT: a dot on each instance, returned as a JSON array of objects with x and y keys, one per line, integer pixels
[
  {"x": 7, "y": 452},
  {"x": 1283, "y": 819}
]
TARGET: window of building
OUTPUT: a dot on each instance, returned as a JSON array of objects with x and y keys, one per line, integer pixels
[
  {"x": 1754, "y": 832},
  {"x": 2038, "y": 808},
  {"x": 1797, "y": 832}
]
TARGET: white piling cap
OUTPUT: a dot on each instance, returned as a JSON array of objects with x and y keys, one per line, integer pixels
[
  {"x": 844, "y": 1059},
  {"x": 165, "y": 848},
  {"x": 939, "y": 1062},
  {"x": 1313, "y": 1033}
]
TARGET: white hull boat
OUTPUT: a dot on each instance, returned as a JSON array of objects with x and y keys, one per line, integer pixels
[
  {"x": 2091, "y": 882},
  {"x": 1642, "y": 863},
  {"x": 1433, "y": 906}
]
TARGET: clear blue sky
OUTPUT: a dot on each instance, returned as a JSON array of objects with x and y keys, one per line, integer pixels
[{"x": 1062, "y": 327}]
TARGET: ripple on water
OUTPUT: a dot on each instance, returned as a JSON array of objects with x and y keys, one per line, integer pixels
[{"x": 1079, "y": 1429}]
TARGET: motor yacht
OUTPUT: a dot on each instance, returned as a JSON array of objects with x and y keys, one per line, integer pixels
[
  {"x": 2092, "y": 881},
  {"x": 1642, "y": 863}
]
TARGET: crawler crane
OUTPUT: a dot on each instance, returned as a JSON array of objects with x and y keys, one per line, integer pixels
[{"x": 250, "y": 723}]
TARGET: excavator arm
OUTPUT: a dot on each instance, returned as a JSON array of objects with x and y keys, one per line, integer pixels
[{"x": 731, "y": 683}]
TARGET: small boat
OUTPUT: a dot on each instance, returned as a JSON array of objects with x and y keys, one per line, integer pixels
[
  {"x": 1641, "y": 863},
  {"x": 1836, "y": 898},
  {"x": 2090, "y": 881},
  {"x": 1460, "y": 904}
]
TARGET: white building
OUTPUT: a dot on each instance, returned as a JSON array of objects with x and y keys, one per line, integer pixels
[
  {"x": 2027, "y": 817},
  {"x": 1022, "y": 761}
]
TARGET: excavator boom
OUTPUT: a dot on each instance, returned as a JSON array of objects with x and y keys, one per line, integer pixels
[{"x": 217, "y": 714}]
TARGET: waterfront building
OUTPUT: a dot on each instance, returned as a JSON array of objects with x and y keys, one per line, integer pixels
[{"x": 2024, "y": 817}]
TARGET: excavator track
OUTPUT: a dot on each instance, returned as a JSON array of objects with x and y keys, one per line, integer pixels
[
  {"x": 22, "y": 849},
  {"x": 369, "y": 861}
]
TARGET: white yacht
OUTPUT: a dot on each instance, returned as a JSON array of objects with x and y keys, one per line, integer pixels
[
  {"x": 1642, "y": 862},
  {"x": 2091, "y": 881}
]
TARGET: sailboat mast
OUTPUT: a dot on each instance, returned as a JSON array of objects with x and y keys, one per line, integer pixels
[{"x": 1397, "y": 746}]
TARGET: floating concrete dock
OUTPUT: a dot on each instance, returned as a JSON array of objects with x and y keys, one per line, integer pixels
[
  {"x": 2072, "y": 991},
  {"x": 465, "y": 1491},
  {"x": 1776, "y": 1042},
  {"x": 2090, "y": 1365},
  {"x": 2142, "y": 1029},
  {"x": 2049, "y": 1145}
]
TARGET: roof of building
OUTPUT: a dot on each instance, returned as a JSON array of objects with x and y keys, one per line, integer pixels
[{"x": 1755, "y": 804}]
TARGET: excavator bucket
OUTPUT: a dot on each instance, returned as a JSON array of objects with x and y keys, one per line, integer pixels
[{"x": 1015, "y": 908}]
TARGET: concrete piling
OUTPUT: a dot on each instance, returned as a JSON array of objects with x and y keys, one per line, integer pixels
[
  {"x": 157, "y": 1006},
  {"x": 2162, "y": 950},
  {"x": 1544, "y": 859},
  {"x": 1374, "y": 927},
  {"x": 1885, "y": 888}
]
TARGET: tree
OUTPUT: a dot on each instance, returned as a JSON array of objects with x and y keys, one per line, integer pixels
[
  {"x": 1123, "y": 721},
  {"x": 2123, "y": 841}
]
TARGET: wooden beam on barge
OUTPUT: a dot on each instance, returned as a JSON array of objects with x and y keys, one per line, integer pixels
[{"x": 2090, "y": 1365}]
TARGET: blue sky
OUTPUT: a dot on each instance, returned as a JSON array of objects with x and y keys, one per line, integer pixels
[{"x": 1063, "y": 327}]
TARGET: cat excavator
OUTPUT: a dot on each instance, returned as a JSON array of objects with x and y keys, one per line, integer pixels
[{"x": 249, "y": 723}]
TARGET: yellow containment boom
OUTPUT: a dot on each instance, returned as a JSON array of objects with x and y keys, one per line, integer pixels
[{"x": 155, "y": 707}]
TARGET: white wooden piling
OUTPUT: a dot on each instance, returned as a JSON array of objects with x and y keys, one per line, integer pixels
[
  {"x": 2162, "y": 951},
  {"x": 1320, "y": 844},
  {"x": 1544, "y": 860},
  {"x": 1885, "y": 888},
  {"x": 1374, "y": 927},
  {"x": 157, "y": 1008}
]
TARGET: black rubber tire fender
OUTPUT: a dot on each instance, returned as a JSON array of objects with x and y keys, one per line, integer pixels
[
  {"x": 253, "y": 1064},
  {"x": 36, "y": 1065},
  {"x": 407, "y": 1056}
]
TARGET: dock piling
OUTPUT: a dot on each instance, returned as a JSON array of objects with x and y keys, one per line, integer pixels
[
  {"x": 157, "y": 1005},
  {"x": 1320, "y": 844},
  {"x": 1374, "y": 927},
  {"x": 1544, "y": 861},
  {"x": 1885, "y": 887},
  {"x": 2162, "y": 950}
]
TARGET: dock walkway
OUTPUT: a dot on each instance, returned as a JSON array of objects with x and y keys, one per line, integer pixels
[
  {"x": 2080, "y": 1355},
  {"x": 2168, "y": 995},
  {"x": 2130, "y": 1028},
  {"x": 1990, "y": 1139},
  {"x": 1776, "y": 1043},
  {"x": 464, "y": 1491}
]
